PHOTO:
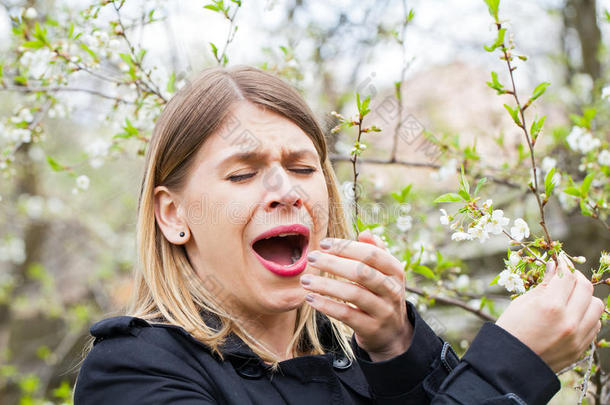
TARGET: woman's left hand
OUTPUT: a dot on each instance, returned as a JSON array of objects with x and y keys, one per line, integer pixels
[{"x": 379, "y": 319}]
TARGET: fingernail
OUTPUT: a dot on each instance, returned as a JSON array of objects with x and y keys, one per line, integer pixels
[
  {"x": 306, "y": 279},
  {"x": 312, "y": 256},
  {"x": 309, "y": 297},
  {"x": 325, "y": 243}
]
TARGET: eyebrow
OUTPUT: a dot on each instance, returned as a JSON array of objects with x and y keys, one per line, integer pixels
[{"x": 253, "y": 157}]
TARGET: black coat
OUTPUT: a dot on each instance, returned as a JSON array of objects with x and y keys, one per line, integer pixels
[{"x": 137, "y": 362}]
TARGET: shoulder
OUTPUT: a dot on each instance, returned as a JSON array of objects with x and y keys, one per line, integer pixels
[{"x": 131, "y": 356}]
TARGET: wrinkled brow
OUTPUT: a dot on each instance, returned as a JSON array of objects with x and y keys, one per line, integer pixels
[{"x": 258, "y": 156}]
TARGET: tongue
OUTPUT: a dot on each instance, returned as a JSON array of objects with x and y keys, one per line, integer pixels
[{"x": 278, "y": 250}]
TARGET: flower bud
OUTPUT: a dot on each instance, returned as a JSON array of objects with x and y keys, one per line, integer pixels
[{"x": 579, "y": 259}]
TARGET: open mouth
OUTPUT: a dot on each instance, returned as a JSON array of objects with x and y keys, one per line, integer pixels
[{"x": 283, "y": 249}]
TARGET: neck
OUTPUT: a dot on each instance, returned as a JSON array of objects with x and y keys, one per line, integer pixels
[{"x": 274, "y": 331}]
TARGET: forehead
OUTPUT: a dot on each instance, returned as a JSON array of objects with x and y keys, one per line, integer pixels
[{"x": 253, "y": 132}]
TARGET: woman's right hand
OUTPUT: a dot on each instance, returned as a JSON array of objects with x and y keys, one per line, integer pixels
[{"x": 559, "y": 318}]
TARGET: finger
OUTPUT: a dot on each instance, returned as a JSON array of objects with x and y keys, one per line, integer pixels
[
  {"x": 358, "y": 272},
  {"x": 366, "y": 253},
  {"x": 562, "y": 284},
  {"x": 591, "y": 323},
  {"x": 368, "y": 237},
  {"x": 346, "y": 291},
  {"x": 580, "y": 299},
  {"x": 549, "y": 273},
  {"x": 593, "y": 314},
  {"x": 352, "y": 317}
]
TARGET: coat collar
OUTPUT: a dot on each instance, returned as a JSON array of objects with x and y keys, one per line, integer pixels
[{"x": 236, "y": 347}]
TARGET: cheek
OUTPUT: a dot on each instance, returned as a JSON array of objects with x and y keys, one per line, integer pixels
[{"x": 318, "y": 207}]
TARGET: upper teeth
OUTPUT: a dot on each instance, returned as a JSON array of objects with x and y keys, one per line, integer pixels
[{"x": 282, "y": 234}]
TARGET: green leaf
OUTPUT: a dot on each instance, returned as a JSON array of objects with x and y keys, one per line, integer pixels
[
  {"x": 537, "y": 127},
  {"x": 493, "y": 6},
  {"x": 495, "y": 83},
  {"x": 575, "y": 191},
  {"x": 549, "y": 186},
  {"x": 495, "y": 280},
  {"x": 464, "y": 195},
  {"x": 449, "y": 197},
  {"x": 539, "y": 90},
  {"x": 424, "y": 271},
  {"x": 514, "y": 113},
  {"x": 584, "y": 208},
  {"x": 464, "y": 181},
  {"x": 499, "y": 41},
  {"x": 89, "y": 51},
  {"x": 214, "y": 50},
  {"x": 54, "y": 165},
  {"x": 479, "y": 185},
  {"x": 33, "y": 44},
  {"x": 211, "y": 7},
  {"x": 586, "y": 184},
  {"x": 171, "y": 83}
]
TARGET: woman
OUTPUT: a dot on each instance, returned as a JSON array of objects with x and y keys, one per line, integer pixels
[{"x": 249, "y": 290}]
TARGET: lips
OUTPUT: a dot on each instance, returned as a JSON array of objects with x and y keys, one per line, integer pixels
[{"x": 283, "y": 249}]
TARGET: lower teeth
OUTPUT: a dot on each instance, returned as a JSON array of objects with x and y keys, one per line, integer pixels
[{"x": 296, "y": 255}]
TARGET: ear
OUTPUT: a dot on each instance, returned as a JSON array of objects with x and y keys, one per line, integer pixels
[{"x": 168, "y": 216}]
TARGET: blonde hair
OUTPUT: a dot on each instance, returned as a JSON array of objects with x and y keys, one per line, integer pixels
[{"x": 166, "y": 286}]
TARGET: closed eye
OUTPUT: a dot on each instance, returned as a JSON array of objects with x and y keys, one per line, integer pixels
[{"x": 240, "y": 177}]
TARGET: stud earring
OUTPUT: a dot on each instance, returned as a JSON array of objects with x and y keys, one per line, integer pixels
[{"x": 182, "y": 234}]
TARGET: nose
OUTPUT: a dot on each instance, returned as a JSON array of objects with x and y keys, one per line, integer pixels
[{"x": 281, "y": 192}]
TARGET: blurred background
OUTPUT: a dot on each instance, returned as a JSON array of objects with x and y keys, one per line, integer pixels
[{"x": 82, "y": 82}]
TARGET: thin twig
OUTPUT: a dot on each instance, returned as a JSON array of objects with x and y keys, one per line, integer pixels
[
  {"x": 52, "y": 89},
  {"x": 334, "y": 157},
  {"x": 585, "y": 383},
  {"x": 150, "y": 87},
  {"x": 403, "y": 71},
  {"x": 230, "y": 36},
  {"x": 452, "y": 301},
  {"x": 530, "y": 145}
]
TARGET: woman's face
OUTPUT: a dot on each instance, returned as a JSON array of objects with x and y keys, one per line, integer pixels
[{"x": 258, "y": 172}]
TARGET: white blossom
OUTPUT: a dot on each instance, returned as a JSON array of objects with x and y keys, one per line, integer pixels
[
  {"x": 606, "y": 92},
  {"x": 13, "y": 250},
  {"x": 82, "y": 182},
  {"x": 581, "y": 140},
  {"x": 548, "y": 163},
  {"x": 514, "y": 259},
  {"x": 405, "y": 208},
  {"x": 511, "y": 281},
  {"x": 444, "y": 217},
  {"x": 479, "y": 231},
  {"x": 460, "y": 236},
  {"x": 445, "y": 170},
  {"x": 604, "y": 157},
  {"x": 34, "y": 206},
  {"x": 487, "y": 204},
  {"x": 38, "y": 62},
  {"x": 604, "y": 259},
  {"x": 378, "y": 230},
  {"x": 97, "y": 150},
  {"x": 404, "y": 223},
  {"x": 462, "y": 282},
  {"x": 423, "y": 251},
  {"x": 495, "y": 225},
  {"x": 30, "y": 13},
  {"x": 520, "y": 230}
]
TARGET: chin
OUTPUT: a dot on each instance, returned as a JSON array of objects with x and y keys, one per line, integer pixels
[{"x": 285, "y": 300}]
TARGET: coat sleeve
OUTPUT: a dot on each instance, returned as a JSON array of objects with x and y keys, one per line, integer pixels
[
  {"x": 497, "y": 369},
  {"x": 127, "y": 369}
]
